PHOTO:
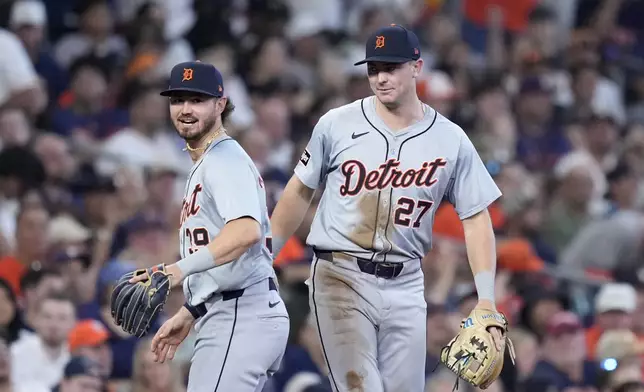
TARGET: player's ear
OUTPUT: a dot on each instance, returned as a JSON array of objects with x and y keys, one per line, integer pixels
[
  {"x": 221, "y": 104},
  {"x": 417, "y": 67}
]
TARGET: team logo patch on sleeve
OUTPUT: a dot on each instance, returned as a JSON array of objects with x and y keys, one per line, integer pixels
[{"x": 306, "y": 155}]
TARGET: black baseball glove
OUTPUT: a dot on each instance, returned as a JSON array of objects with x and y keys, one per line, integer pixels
[{"x": 135, "y": 305}]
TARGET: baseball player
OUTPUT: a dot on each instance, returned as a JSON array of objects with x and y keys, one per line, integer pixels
[
  {"x": 387, "y": 161},
  {"x": 226, "y": 267}
]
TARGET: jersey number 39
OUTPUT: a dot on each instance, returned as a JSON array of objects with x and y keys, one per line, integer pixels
[{"x": 198, "y": 237}]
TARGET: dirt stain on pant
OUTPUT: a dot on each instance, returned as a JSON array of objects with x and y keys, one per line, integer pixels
[{"x": 354, "y": 381}]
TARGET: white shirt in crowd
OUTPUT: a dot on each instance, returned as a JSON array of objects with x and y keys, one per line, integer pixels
[
  {"x": 30, "y": 361},
  {"x": 129, "y": 147},
  {"x": 16, "y": 69}
]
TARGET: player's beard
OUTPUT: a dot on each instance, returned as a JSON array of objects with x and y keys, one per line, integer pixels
[{"x": 191, "y": 135}]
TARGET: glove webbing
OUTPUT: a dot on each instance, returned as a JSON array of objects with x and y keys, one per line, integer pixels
[{"x": 461, "y": 362}]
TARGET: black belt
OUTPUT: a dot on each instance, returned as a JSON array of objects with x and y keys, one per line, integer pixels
[
  {"x": 229, "y": 295},
  {"x": 379, "y": 269}
]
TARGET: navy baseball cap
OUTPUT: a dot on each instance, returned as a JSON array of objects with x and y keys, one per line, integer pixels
[
  {"x": 80, "y": 366},
  {"x": 195, "y": 77},
  {"x": 392, "y": 44}
]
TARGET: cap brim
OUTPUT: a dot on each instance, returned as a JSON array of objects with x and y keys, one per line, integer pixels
[
  {"x": 384, "y": 59},
  {"x": 176, "y": 91}
]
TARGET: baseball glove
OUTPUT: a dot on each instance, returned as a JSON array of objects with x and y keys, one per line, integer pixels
[
  {"x": 135, "y": 305},
  {"x": 472, "y": 354}
]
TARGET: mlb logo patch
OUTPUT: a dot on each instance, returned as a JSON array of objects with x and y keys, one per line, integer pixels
[{"x": 306, "y": 155}]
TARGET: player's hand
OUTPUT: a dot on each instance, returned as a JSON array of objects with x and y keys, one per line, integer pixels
[
  {"x": 174, "y": 273},
  {"x": 170, "y": 335},
  {"x": 497, "y": 333}
]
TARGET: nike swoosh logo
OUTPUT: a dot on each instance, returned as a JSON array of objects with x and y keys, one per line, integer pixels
[
  {"x": 273, "y": 304},
  {"x": 355, "y": 136}
]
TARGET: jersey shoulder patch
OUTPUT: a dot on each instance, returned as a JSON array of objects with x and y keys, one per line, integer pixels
[{"x": 306, "y": 156}]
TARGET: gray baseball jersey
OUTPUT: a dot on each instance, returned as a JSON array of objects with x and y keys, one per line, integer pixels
[
  {"x": 223, "y": 186},
  {"x": 383, "y": 187}
]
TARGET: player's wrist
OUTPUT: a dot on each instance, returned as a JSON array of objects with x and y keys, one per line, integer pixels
[
  {"x": 188, "y": 312},
  {"x": 175, "y": 273},
  {"x": 201, "y": 260},
  {"x": 484, "y": 282},
  {"x": 486, "y": 304},
  {"x": 278, "y": 243}
]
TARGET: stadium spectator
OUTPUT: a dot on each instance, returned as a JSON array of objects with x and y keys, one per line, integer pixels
[
  {"x": 11, "y": 325},
  {"x": 37, "y": 285},
  {"x": 614, "y": 307},
  {"x": 28, "y": 20},
  {"x": 80, "y": 374},
  {"x": 89, "y": 338},
  {"x": 42, "y": 357},
  {"x": 31, "y": 246},
  {"x": 7, "y": 381},
  {"x": 563, "y": 364},
  {"x": 149, "y": 375},
  {"x": 95, "y": 37}
]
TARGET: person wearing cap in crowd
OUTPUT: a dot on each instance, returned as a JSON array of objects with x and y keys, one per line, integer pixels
[
  {"x": 65, "y": 231},
  {"x": 81, "y": 375},
  {"x": 146, "y": 241},
  {"x": 28, "y": 20},
  {"x": 564, "y": 361},
  {"x": 90, "y": 338},
  {"x": 94, "y": 192},
  {"x": 619, "y": 348},
  {"x": 614, "y": 307},
  {"x": 541, "y": 143},
  {"x": 20, "y": 86}
]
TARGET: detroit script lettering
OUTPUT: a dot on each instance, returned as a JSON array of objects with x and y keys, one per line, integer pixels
[{"x": 387, "y": 174}]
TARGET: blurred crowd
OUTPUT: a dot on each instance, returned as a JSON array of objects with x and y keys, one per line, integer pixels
[{"x": 91, "y": 173}]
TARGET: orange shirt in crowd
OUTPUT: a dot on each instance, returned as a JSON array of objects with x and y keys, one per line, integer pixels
[
  {"x": 293, "y": 251},
  {"x": 12, "y": 271},
  {"x": 448, "y": 224},
  {"x": 592, "y": 337},
  {"x": 515, "y": 12}
]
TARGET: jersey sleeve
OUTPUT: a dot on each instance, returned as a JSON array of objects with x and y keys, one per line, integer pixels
[
  {"x": 234, "y": 188},
  {"x": 314, "y": 162},
  {"x": 472, "y": 189}
]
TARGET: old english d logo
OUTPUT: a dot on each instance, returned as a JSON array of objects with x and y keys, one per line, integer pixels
[
  {"x": 187, "y": 74},
  {"x": 380, "y": 41}
]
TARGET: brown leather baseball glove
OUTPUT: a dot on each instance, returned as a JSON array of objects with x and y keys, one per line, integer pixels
[{"x": 472, "y": 354}]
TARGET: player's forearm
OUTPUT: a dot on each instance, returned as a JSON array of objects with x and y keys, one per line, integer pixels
[
  {"x": 481, "y": 253},
  {"x": 289, "y": 212},
  {"x": 234, "y": 239}
]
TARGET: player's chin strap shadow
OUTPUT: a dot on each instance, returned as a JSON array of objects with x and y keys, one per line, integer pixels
[{"x": 457, "y": 367}]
